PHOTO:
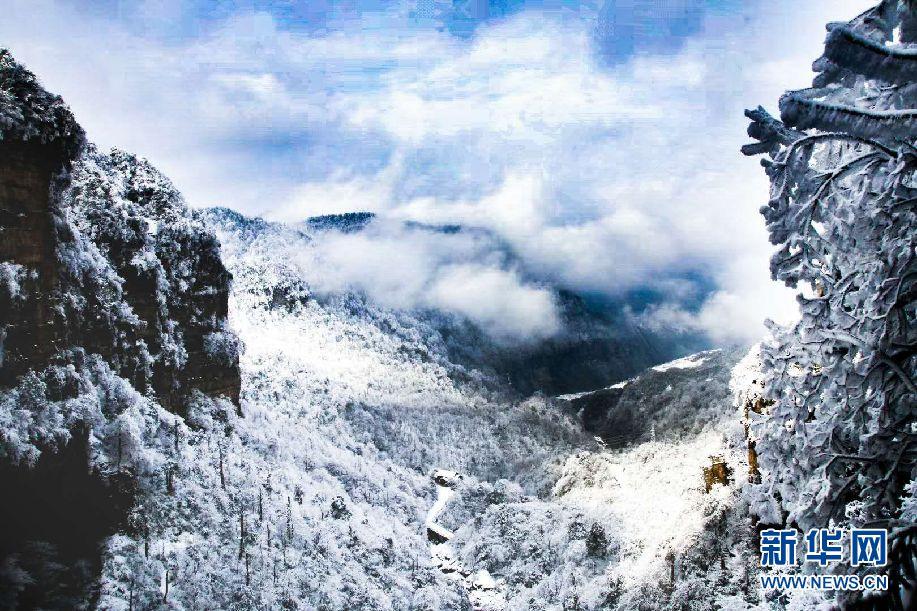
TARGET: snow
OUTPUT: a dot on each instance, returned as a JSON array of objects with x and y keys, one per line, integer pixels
[
  {"x": 655, "y": 503},
  {"x": 577, "y": 395},
  {"x": 483, "y": 590},
  {"x": 315, "y": 495},
  {"x": 358, "y": 436},
  {"x": 28, "y": 112},
  {"x": 345, "y": 407},
  {"x": 443, "y": 496},
  {"x": 835, "y": 389},
  {"x": 574, "y": 395},
  {"x": 318, "y": 492},
  {"x": 688, "y": 362}
]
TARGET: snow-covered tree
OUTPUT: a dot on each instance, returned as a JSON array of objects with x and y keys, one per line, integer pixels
[{"x": 839, "y": 441}]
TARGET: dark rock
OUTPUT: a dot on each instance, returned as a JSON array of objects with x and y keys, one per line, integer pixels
[{"x": 102, "y": 265}]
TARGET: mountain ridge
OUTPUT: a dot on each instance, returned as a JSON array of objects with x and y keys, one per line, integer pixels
[{"x": 597, "y": 343}]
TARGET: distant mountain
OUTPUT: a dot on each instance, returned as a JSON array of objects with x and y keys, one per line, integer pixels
[
  {"x": 345, "y": 223},
  {"x": 666, "y": 401},
  {"x": 598, "y": 343}
]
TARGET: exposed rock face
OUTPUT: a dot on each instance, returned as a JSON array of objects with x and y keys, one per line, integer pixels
[
  {"x": 27, "y": 172},
  {"x": 113, "y": 305},
  {"x": 100, "y": 252},
  {"x": 38, "y": 139}
]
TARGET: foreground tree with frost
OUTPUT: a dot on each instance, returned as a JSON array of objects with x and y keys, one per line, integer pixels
[{"x": 838, "y": 444}]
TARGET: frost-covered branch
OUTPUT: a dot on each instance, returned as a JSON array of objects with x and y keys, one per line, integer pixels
[
  {"x": 769, "y": 132},
  {"x": 838, "y": 442},
  {"x": 865, "y": 55},
  {"x": 802, "y": 111}
]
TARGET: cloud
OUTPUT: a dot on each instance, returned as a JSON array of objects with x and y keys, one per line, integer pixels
[
  {"x": 496, "y": 300},
  {"x": 461, "y": 274},
  {"x": 612, "y": 178},
  {"x": 605, "y": 162},
  {"x": 732, "y": 313},
  {"x": 336, "y": 194}
]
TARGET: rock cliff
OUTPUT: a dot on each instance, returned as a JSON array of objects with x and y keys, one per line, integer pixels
[{"x": 113, "y": 306}]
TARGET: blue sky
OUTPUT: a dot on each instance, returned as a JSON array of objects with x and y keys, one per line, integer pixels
[
  {"x": 597, "y": 139},
  {"x": 622, "y": 26}
]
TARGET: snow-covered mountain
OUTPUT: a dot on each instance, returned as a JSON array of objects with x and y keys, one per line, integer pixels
[
  {"x": 196, "y": 412},
  {"x": 670, "y": 400},
  {"x": 276, "y": 444},
  {"x": 598, "y": 340},
  {"x": 349, "y": 412}
]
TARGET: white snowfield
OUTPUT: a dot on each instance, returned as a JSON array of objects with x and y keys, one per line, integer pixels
[
  {"x": 692, "y": 361},
  {"x": 688, "y": 362},
  {"x": 652, "y": 497},
  {"x": 577, "y": 395}
]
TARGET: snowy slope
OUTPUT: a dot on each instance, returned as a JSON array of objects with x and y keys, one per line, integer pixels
[
  {"x": 316, "y": 496},
  {"x": 671, "y": 400},
  {"x": 348, "y": 410},
  {"x": 372, "y": 262},
  {"x": 629, "y": 528},
  {"x": 371, "y": 458}
]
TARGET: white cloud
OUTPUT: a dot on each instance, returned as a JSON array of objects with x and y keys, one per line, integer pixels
[
  {"x": 456, "y": 273},
  {"x": 734, "y": 313},
  {"x": 337, "y": 194},
  {"x": 497, "y": 300},
  {"x": 649, "y": 149},
  {"x": 602, "y": 178}
]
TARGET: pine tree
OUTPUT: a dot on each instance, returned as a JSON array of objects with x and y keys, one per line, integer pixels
[{"x": 839, "y": 441}]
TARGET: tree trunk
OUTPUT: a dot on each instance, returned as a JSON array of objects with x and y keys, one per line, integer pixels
[
  {"x": 289, "y": 520},
  {"x": 241, "y": 533}
]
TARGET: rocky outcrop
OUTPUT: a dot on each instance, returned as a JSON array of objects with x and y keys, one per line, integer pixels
[
  {"x": 101, "y": 254},
  {"x": 39, "y": 138},
  {"x": 113, "y": 305},
  {"x": 27, "y": 172},
  {"x": 174, "y": 287}
]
